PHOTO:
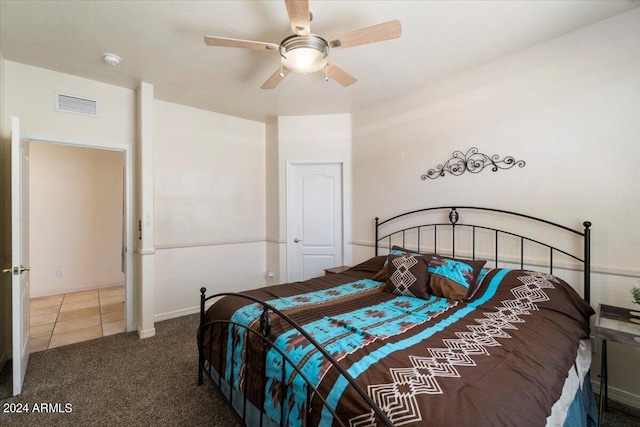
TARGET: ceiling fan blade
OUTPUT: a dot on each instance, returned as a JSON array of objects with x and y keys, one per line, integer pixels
[
  {"x": 275, "y": 78},
  {"x": 299, "y": 16},
  {"x": 248, "y": 44},
  {"x": 338, "y": 74},
  {"x": 377, "y": 33}
]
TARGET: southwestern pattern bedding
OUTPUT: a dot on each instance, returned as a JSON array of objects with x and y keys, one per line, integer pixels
[{"x": 498, "y": 359}]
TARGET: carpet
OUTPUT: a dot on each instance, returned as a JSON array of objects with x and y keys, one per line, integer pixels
[{"x": 121, "y": 380}]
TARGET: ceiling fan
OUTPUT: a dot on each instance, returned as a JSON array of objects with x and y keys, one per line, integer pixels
[{"x": 305, "y": 52}]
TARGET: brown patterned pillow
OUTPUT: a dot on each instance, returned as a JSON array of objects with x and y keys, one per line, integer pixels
[
  {"x": 407, "y": 276},
  {"x": 383, "y": 274}
]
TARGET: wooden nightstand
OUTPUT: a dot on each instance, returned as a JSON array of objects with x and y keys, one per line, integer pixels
[
  {"x": 336, "y": 270},
  {"x": 613, "y": 324}
]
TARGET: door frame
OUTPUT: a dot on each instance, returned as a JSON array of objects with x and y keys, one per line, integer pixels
[
  {"x": 128, "y": 209},
  {"x": 289, "y": 214}
]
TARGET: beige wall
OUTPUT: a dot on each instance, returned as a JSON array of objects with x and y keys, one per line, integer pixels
[
  {"x": 209, "y": 205},
  {"x": 208, "y": 175},
  {"x": 569, "y": 108},
  {"x": 30, "y": 95},
  {"x": 275, "y": 243},
  {"x": 75, "y": 218}
]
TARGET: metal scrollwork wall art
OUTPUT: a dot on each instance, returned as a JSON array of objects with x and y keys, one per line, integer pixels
[{"x": 473, "y": 162}]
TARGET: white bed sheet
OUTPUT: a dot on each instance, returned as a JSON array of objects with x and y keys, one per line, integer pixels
[{"x": 572, "y": 384}]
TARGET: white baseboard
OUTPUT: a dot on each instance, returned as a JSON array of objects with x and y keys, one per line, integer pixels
[
  {"x": 178, "y": 313},
  {"x": 146, "y": 333},
  {"x": 182, "y": 312},
  {"x": 71, "y": 290},
  {"x": 618, "y": 395}
]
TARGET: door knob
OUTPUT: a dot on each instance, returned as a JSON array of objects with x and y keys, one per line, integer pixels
[
  {"x": 296, "y": 240},
  {"x": 16, "y": 270}
]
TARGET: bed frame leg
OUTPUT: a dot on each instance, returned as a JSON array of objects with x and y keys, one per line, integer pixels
[{"x": 200, "y": 355}]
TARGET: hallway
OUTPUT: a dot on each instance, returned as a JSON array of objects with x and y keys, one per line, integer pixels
[{"x": 74, "y": 317}]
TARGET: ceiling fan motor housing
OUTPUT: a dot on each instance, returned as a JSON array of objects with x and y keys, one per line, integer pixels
[{"x": 304, "y": 54}]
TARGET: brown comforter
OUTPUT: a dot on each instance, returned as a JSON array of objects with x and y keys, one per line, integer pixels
[{"x": 500, "y": 359}]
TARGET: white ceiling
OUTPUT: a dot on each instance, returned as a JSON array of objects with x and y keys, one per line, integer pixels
[{"x": 161, "y": 42}]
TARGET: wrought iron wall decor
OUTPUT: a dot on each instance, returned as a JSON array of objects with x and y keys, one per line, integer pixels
[{"x": 473, "y": 162}]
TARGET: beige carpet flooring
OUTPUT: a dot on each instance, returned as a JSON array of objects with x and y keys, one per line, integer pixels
[{"x": 121, "y": 380}]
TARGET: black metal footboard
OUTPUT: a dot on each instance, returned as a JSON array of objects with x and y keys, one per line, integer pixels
[{"x": 263, "y": 334}]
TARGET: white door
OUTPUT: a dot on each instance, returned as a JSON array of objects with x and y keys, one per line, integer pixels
[
  {"x": 315, "y": 219},
  {"x": 19, "y": 253}
]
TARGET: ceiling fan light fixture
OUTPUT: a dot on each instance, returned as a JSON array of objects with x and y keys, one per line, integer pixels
[{"x": 304, "y": 54}]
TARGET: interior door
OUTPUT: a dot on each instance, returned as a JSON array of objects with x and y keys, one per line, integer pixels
[
  {"x": 315, "y": 230},
  {"x": 19, "y": 253}
]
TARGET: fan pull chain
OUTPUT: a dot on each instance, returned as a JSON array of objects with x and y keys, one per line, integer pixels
[
  {"x": 281, "y": 71},
  {"x": 326, "y": 73}
]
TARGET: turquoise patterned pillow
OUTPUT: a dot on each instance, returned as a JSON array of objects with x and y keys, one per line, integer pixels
[
  {"x": 453, "y": 278},
  {"x": 397, "y": 250}
]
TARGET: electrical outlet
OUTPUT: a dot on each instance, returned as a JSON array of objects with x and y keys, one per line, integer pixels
[{"x": 60, "y": 272}]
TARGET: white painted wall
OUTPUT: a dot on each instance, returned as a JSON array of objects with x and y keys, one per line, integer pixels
[
  {"x": 324, "y": 138},
  {"x": 276, "y": 255},
  {"x": 209, "y": 183},
  {"x": 30, "y": 96},
  {"x": 75, "y": 218},
  {"x": 570, "y": 108},
  {"x": 144, "y": 243}
]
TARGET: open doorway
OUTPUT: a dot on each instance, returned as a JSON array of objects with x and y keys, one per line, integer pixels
[{"x": 77, "y": 254}]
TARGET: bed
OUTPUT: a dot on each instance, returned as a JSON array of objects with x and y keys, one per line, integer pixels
[{"x": 452, "y": 322}]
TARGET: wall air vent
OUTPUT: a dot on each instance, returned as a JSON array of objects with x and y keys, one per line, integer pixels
[{"x": 76, "y": 105}]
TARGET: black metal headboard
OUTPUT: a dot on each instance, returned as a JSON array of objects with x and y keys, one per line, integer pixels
[{"x": 453, "y": 222}]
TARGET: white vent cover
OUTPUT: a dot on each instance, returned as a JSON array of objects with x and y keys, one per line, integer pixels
[{"x": 76, "y": 105}]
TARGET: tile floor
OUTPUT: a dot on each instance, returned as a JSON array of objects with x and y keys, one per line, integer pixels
[{"x": 80, "y": 316}]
